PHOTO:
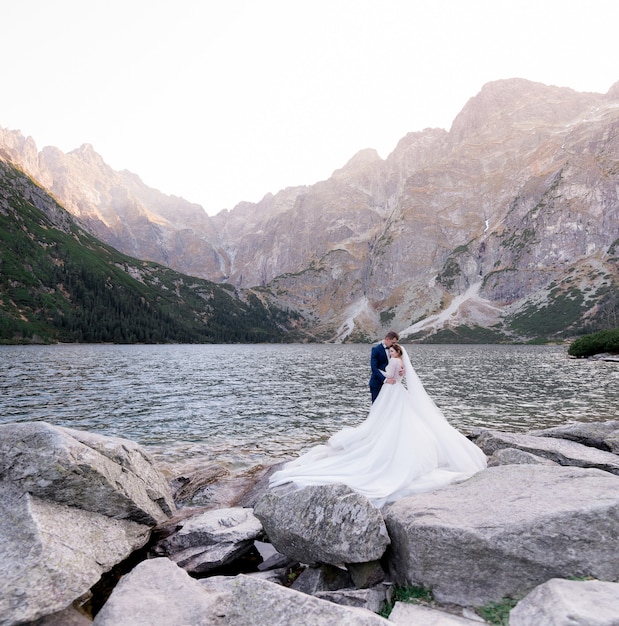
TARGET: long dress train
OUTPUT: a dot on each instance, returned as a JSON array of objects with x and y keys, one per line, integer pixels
[{"x": 404, "y": 446}]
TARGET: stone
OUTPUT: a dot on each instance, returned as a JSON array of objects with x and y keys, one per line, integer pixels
[
  {"x": 373, "y": 599},
  {"x": 408, "y": 613},
  {"x": 159, "y": 593},
  {"x": 106, "y": 475},
  {"x": 602, "y": 435},
  {"x": 323, "y": 524},
  {"x": 569, "y": 602},
  {"x": 504, "y": 531},
  {"x": 560, "y": 451},
  {"x": 276, "y": 561},
  {"x": 212, "y": 539},
  {"x": 612, "y": 441},
  {"x": 68, "y": 617},
  {"x": 366, "y": 575},
  {"x": 187, "y": 487},
  {"x": 513, "y": 456},
  {"x": 51, "y": 554},
  {"x": 280, "y": 575},
  {"x": 255, "y": 602},
  {"x": 324, "y": 578}
]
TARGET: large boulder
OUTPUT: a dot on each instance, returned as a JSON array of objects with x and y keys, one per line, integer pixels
[
  {"x": 568, "y": 603},
  {"x": 323, "y": 524},
  {"x": 159, "y": 593},
  {"x": 255, "y": 602},
  {"x": 506, "y": 530},
  {"x": 51, "y": 554},
  {"x": 562, "y": 451},
  {"x": 107, "y": 475},
  {"x": 212, "y": 539}
]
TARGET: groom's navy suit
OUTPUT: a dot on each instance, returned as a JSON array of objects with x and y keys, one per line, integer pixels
[{"x": 378, "y": 361}]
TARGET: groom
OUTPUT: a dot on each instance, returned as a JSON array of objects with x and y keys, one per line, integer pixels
[{"x": 379, "y": 359}]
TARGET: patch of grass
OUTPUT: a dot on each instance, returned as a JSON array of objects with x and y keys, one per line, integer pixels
[
  {"x": 562, "y": 311},
  {"x": 451, "y": 270},
  {"x": 386, "y": 316},
  {"x": 467, "y": 334},
  {"x": 413, "y": 594},
  {"x": 497, "y": 613}
]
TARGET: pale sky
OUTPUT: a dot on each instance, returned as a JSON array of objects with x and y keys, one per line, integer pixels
[{"x": 223, "y": 101}]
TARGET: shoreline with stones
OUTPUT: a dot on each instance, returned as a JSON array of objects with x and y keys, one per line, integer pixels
[{"x": 92, "y": 531}]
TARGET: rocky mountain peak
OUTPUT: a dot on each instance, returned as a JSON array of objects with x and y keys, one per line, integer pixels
[
  {"x": 613, "y": 92},
  {"x": 516, "y": 105}
]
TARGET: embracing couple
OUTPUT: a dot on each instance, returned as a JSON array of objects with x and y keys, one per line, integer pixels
[
  {"x": 379, "y": 360},
  {"x": 404, "y": 446}
]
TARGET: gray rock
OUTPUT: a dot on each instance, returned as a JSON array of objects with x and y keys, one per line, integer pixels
[
  {"x": 612, "y": 441},
  {"x": 276, "y": 561},
  {"x": 514, "y": 456},
  {"x": 107, "y": 475},
  {"x": 560, "y": 451},
  {"x": 187, "y": 486},
  {"x": 407, "y": 614},
  {"x": 504, "y": 531},
  {"x": 373, "y": 599},
  {"x": 279, "y": 575},
  {"x": 211, "y": 539},
  {"x": 69, "y": 617},
  {"x": 366, "y": 575},
  {"x": 51, "y": 554},
  {"x": 313, "y": 580},
  {"x": 323, "y": 524},
  {"x": 255, "y": 602},
  {"x": 602, "y": 435},
  {"x": 568, "y": 603},
  {"x": 159, "y": 593}
]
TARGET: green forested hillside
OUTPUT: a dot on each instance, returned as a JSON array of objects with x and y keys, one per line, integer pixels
[{"x": 58, "y": 283}]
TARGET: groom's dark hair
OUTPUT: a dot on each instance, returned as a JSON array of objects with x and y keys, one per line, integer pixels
[{"x": 392, "y": 335}]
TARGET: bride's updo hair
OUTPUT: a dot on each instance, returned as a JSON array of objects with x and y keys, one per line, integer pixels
[{"x": 398, "y": 348}]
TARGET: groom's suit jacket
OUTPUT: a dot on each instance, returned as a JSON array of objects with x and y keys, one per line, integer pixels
[{"x": 378, "y": 361}]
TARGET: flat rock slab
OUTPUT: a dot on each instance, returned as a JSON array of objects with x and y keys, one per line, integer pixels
[
  {"x": 256, "y": 602},
  {"x": 562, "y": 451},
  {"x": 506, "y": 530},
  {"x": 409, "y": 614},
  {"x": 602, "y": 435},
  {"x": 568, "y": 603},
  {"x": 159, "y": 593}
]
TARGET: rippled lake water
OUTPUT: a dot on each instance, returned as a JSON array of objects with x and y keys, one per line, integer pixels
[{"x": 249, "y": 404}]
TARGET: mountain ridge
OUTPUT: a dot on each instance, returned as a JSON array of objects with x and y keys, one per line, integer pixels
[
  {"x": 520, "y": 189},
  {"x": 59, "y": 283}
]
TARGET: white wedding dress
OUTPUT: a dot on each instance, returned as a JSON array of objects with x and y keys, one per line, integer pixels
[{"x": 405, "y": 446}]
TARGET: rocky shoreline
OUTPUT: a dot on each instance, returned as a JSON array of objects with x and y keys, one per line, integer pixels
[{"x": 92, "y": 531}]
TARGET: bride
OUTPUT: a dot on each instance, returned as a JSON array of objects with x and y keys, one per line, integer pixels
[{"x": 405, "y": 446}]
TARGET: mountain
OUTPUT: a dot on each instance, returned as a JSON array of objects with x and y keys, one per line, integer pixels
[
  {"x": 505, "y": 227},
  {"x": 59, "y": 283}
]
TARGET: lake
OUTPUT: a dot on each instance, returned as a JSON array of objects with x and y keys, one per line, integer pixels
[{"x": 247, "y": 404}]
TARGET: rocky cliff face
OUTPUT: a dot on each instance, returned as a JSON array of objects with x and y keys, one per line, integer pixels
[{"x": 509, "y": 221}]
